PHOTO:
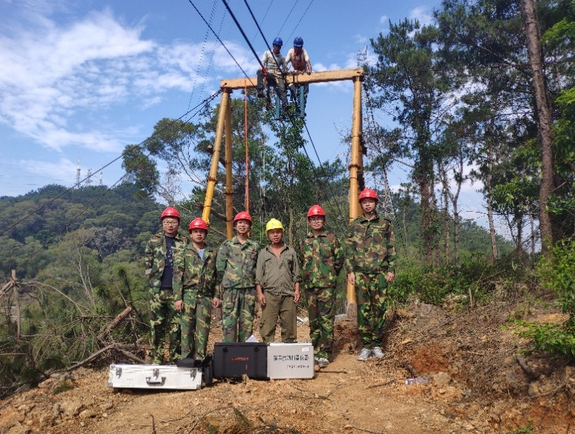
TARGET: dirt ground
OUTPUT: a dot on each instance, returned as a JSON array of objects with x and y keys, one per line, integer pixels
[{"x": 478, "y": 381}]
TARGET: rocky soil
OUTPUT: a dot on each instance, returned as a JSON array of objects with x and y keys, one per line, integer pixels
[{"x": 475, "y": 378}]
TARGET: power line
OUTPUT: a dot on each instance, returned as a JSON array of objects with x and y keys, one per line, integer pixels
[
  {"x": 301, "y": 18},
  {"x": 261, "y": 34},
  {"x": 288, "y": 15},
  {"x": 201, "y": 58},
  {"x": 27, "y": 216},
  {"x": 220, "y": 41}
]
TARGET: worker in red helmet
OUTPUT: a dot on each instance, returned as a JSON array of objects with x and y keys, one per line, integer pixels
[
  {"x": 236, "y": 274},
  {"x": 195, "y": 287},
  {"x": 322, "y": 260},
  {"x": 160, "y": 253},
  {"x": 370, "y": 263}
]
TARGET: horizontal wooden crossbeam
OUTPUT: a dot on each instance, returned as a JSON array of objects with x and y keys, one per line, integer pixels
[{"x": 314, "y": 77}]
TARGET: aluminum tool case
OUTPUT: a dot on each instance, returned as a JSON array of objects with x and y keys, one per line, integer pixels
[
  {"x": 162, "y": 377},
  {"x": 236, "y": 359},
  {"x": 293, "y": 360}
]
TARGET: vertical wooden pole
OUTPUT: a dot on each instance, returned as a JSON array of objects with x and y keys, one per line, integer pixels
[
  {"x": 213, "y": 175},
  {"x": 355, "y": 167},
  {"x": 229, "y": 180},
  {"x": 246, "y": 131},
  {"x": 17, "y": 301}
]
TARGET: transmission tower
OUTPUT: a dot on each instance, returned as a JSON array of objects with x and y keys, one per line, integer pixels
[
  {"x": 78, "y": 171},
  {"x": 89, "y": 177}
]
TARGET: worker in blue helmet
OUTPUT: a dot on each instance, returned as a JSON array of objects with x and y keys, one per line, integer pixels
[
  {"x": 274, "y": 68},
  {"x": 298, "y": 60}
]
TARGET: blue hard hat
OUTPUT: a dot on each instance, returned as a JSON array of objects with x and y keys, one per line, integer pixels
[
  {"x": 298, "y": 42},
  {"x": 278, "y": 41}
]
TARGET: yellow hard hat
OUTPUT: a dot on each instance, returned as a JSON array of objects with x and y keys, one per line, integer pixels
[{"x": 274, "y": 224}]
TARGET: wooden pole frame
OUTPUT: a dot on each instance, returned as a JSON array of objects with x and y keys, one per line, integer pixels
[
  {"x": 213, "y": 175},
  {"x": 224, "y": 122}
]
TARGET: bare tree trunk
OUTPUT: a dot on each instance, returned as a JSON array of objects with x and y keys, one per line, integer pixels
[
  {"x": 519, "y": 222},
  {"x": 489, "y": 186},
  {"x": 445, "y": 199},
  {"x": 455, "y": 204},
  {"x": 544, "y": 119},
  {"x": 426, "y": 218},
  {"x": 494, "y": 252}
]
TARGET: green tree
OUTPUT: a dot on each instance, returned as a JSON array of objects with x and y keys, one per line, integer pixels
[{"x": 407, "y": 84}]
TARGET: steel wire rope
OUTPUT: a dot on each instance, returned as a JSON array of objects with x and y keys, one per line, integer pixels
[
  {"x": 261, "y": 34},
  {"x": 320, "y": 162},
  {"x": 259, "y": 61},
  {"x": 265, "y": 15},
  {"x": 300, "y": 20},
  {"x": 220, "y": 41},
  {"x": 77, "y": 184},
  {"x": 201, "y": 58},
  {"x": 288, "y": 15}
]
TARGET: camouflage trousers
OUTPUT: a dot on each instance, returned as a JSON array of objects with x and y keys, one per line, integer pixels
[
  {"x": 164, "y": 326},
  {"x": 371, "y": 296},
  {"x": 321, "y": 311},
  {"x": 238, "y": 309},
  {"x": 195, "y": 322},
  {"x": 284, "y": 307}
]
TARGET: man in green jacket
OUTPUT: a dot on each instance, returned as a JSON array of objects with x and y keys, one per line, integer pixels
[
  {"x": 195, "y": 287},
  {"x": 236, "y": 276},
  {"x": 370, "y": 263},
  {"x": 160, "y": 253},
  {"x": 277, "y": 285},
  {"x": 322, "y": 259}
]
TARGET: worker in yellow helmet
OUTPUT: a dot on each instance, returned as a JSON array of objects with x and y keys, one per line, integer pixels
[{"x": 277, "y": 285}]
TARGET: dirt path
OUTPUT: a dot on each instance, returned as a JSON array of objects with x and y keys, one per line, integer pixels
[{"x": 475, "y": 386}]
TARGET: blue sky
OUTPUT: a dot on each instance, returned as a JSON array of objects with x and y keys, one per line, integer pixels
[{"x": 81, "y": 79}]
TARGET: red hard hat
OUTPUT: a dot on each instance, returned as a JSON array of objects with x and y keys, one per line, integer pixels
[
  {"x": 316, "y": 210},
  {"x": 170, "y": 212},
  {"x": 198, "y": 223},
  {"x": 368, "y": 193},
  {"x": 243, "y": 215}
]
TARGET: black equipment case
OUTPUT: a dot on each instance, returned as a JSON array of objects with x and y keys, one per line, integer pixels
[{"x": 234, "y": 360}]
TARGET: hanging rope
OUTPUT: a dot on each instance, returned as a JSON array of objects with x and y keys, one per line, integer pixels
[{"x": 247, "y": 195}]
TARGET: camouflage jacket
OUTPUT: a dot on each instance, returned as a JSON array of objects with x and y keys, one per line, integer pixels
[
  {"x": 155, "y": 257},
  {"x": 370, "y": 246},
  {"x": 278, "y": 276},
  {"x": 236, "y": 264},
  {"x": 192, "y": 273},
  {"x": 322, "y": 259}
]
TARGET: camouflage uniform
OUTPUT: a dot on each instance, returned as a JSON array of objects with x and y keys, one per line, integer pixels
[
  {"x": 370, "y": 254},
  {"x": 195, "y": 284},
  {"x": 322, "y": 259},
  {"x": 164, "y": 322},
  {"x": 236, "y": 273}
]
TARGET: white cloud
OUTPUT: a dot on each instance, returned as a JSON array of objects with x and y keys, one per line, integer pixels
[
  {"x": 53, "y": 170},
  {"x": 384, "y": 19},
  {"x": 54, "y": 73},
  {"x": 422, "y": 14}
]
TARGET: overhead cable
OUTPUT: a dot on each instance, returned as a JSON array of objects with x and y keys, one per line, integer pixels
[
  {"x": 220, "y": 41},
  {"x": 77, "y": 184}
]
